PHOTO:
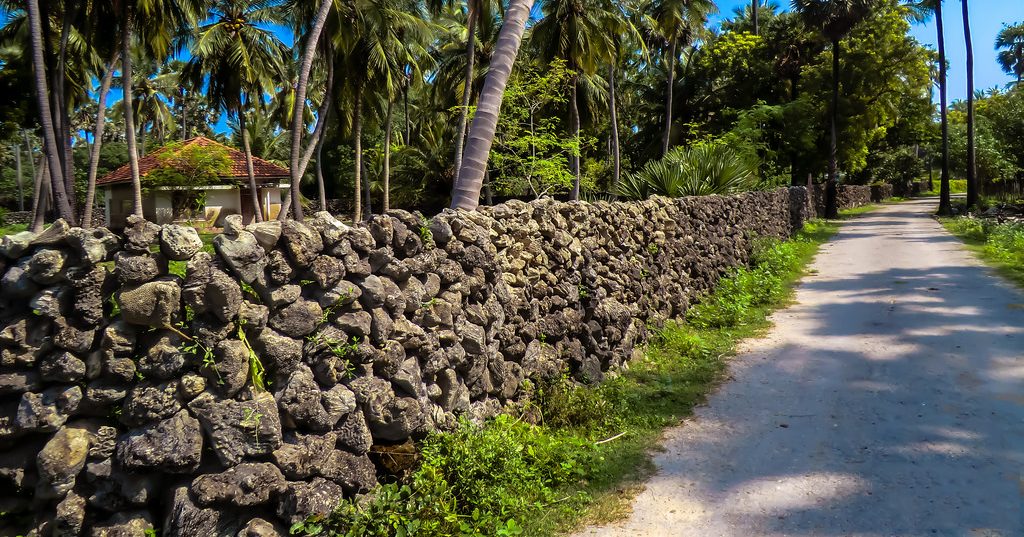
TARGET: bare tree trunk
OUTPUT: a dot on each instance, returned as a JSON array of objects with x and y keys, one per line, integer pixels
[
  {"x": 300, "y": 104},
  {"x": 467, "y": 89},
  {"x": 40, "y": 198},
  {"x": 386, "y": 206},
  {"x": 972, "y": 167},
  {"x": 832, "y": 186},
  {"x": 668, "y": 97},
  {"x": 253, "y": 191},
  {"x": 62, "y": 119},
  {"x": 754, "y": 9},
  {"x": 321, "y": 189},
  {"x": 466, "y": 194},
  {"x": 97, "y": 141},
  {"x": 129, "y": 112},
  {"x": 17, "y": 171},
  {"x": 321, "y": 116},
  {"x": 45, "y": 114},
  {"x": 616, "y": 157},
  {"x": 574, "y": 120},
  {"x": 357, "y": 135},
  {"x": 945, "y": 204},
  {"x": 405, "y": 98}
]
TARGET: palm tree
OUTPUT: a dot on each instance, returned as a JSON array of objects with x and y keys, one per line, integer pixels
[
  {"x": 56, "y": 178},
  {"x": 972, "y": 169},
  {"x": 381, "y": 40},
  {"x": 97, "y": 138},
  {"x": 297, "y": 127},
  {"x": 1012, "y": 59},
  {"x": 945, "y": 205},
  {"x": 679, "y": 23},
  {"x": 576, "y": 32},
  {"x": 240, "y": 59},
  {"x": 466, "y": 192},
  {"x": 835, "y": 18},
  {"x": 155, "y": 25},
  {"x": 754, "y": 5}
]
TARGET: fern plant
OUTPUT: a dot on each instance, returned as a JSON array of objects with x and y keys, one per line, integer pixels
[{"x": 697, "y": 170}]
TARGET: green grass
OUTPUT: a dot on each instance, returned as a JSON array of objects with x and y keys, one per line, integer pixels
[
  {"x": 999, "y": 245},
  {"x": 12, "y": 229},
  {"x": 576, "y": 454},
  {"x": 179, "y": 267},
  {"x": 956, "y": 186}
]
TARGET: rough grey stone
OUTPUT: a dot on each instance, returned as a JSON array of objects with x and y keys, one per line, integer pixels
[
  {"x": 246, "y": 484},
  {"x": 125, "y": 524},
  {"x": 303, "y": 499},
  {"x": 301, "y": 243},
  {"x": 353, "y": 433},
  {"x": 156, "y": 303},
  {"x": 173, "y": 445},
  {"x": 298, "y": 319},
  {"x": 139, "y": 234},
  {"x": 239, "y": 429},
  {"x": 266, "y": 233},
  {"x": 179, "y": 243},
  {"x": 243, "y": 254},
  {"x": 47, "y": 265},
  {"x": 48, "y": 410},
  {"x": 60, "y": 460},
  {"x": 148, "y": 402}
]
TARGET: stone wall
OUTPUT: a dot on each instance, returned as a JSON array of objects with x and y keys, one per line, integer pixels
[
  {"x": 848, "y": 197},
  {"x": 147, "y": 383},
  {"x": 881, "y": 192}
]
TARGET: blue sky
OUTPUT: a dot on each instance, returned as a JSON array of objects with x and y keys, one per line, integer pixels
[{"x": 987, "y": 17}]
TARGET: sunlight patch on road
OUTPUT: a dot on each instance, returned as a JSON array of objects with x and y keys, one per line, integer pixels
[{"x": 774, "y": 494}]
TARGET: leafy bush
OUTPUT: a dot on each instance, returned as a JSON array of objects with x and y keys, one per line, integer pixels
[
  {"x": 188, "y": 165},
  {"x": 698, "y": 170}
]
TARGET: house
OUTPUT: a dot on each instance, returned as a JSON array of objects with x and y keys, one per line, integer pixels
[{"x": 203, "y": 192}]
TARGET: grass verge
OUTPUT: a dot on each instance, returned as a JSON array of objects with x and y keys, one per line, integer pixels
[
  {"x": 576, "y": 454},
  {"x": 999, "y": 245}
]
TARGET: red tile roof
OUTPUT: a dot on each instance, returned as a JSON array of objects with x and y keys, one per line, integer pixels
[{"x": 265, "y": 172}]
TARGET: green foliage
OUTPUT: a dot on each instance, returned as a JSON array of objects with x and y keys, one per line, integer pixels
[
  {"x": 1000, "y": 244},
  {"x": 704, "y": 168},
  {"x": 191, "y": 166},
  {"x": 900, "y": 166},
  {"x": 531, "y": 151}
]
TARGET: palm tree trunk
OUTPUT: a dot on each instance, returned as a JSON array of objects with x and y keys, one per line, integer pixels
[
  {"x": 300, "y": 104},
  {"x": 63, "y": 119},
  {"x": 357, "y": 135},
  {"x": 945, "y": 205},
  {"x": 129, "y": 112},
  {"x": 668, "y": 98},
  {"x": 40, "y": 198},
  {"x": 405, "y": 98},
  {"x": 467, "y": 88},
  {"x": 321, "y": 189},
  {"x": 97, "y": 141},
  {"x": 574, "y": 119},
  {"x": 386, "y": 206},
  {"x": 972, "y": 168},
  {"x": 247, "y": 148},
  {"x": 831, "y": 187},
  {"x": 321, "y": 116},
  {"x": 45, "y": 113},
  {"x": 616, "y": 157},
  {"x": 17, "y": 171},
  {"x": 753, "y": 9},
  {"x": 466, "y": 194}
]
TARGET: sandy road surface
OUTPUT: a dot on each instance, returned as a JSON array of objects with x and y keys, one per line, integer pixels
[{"x": 888, "y": 401}]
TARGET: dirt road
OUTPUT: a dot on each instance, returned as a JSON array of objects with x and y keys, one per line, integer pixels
[{"x": 889, "y": 400}]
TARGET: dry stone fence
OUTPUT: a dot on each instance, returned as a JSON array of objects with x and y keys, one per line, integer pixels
[{"x": 147, "y": 383}]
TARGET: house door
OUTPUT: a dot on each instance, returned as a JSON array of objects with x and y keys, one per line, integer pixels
[{"x": 248, "y": 216}]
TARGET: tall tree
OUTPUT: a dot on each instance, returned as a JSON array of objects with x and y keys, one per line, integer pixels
[
  {"x": 297, "y": 127},
  {"x": 466, "y": 193},
  {"x": 972, "y": 168},
  {"x": 835, "y": 18},
  {"x": 945, "y": 204},
  {"x": 679, "y": 23},
  {"x": 1011, "y": 38},
  {"x": 97, "y": 139},
  {"x": 577, "y": 32},
  {"x": 241, "y": 60},
  {"x": 50, "y": 148}
]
